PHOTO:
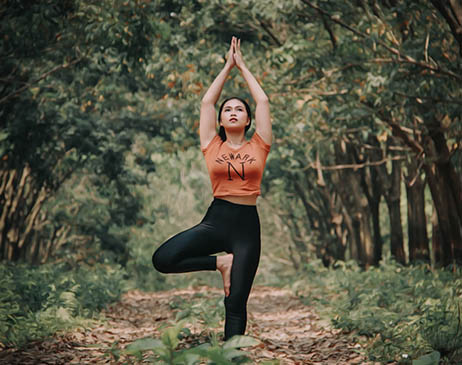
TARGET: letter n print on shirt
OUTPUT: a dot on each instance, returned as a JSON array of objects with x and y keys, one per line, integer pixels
[{"x": 231, "y": 166}]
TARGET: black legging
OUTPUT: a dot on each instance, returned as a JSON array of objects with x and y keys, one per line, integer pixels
[{"x": 229, "y": 227}]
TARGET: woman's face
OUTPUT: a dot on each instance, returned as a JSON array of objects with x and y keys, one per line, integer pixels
[{"x": 234, "y": 115}]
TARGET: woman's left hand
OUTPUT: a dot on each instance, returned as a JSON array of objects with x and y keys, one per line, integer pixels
[{"x": 238, "y": 55}]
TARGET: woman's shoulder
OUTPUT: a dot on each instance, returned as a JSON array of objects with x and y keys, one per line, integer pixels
[
  {"x": 258, "y": 140},
  {"x": 215, "y": 141}
]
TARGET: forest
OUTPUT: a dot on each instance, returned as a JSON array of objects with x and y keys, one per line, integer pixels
[{"x": 361, "y": 204}]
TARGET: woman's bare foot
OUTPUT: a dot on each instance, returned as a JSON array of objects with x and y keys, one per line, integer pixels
[{"x": 224, "y": 265}]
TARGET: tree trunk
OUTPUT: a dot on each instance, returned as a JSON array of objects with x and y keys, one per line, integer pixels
[
  {"x": 445, "y": 186},
  {"x": 393, "y": 199},
  {"x": 339, "y": 230},
  {"x": 391, "y": 189},
  {"x": 21, "y": 202},
  {"x": 372, "y": 187},
  {"x": 333, "y": 230},
  {"x": 437, "y": 241},
  {"x": 451, "y": 10},
  {"x": 448, "y": 222},
  {"x": 378, "y": 242},
  {"x": 417, "y": 221},
  {"x": 357, "y": 206}
]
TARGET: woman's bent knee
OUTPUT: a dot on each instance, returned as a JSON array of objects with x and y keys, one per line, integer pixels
[{"x": 159, "y": 262}]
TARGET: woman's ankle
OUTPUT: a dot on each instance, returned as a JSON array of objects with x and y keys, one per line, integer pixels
[{"x": 224, "y": 261}]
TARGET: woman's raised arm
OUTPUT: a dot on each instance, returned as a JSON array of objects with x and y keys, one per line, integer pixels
[
  {"x": 262, "y": 111},
  {"x": 207, "y": 125}
]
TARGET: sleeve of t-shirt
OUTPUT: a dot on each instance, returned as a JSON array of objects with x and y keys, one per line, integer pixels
[
  {"x": 212, "y": 143},
  {"x": 260, "y": 142}
]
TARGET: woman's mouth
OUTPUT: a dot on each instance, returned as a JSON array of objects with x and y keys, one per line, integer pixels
[{"x": 233, "y": 120}]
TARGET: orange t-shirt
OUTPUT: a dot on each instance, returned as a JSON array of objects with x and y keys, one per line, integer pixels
[{"x": 238, "y": 171}]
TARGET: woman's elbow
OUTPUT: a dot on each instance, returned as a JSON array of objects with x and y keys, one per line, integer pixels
[
  {"x": 262, "y": 100},
  {"x": 207, "y": 102}
]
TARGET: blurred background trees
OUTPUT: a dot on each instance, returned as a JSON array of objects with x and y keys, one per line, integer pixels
[{"x": 99, "y": 106}]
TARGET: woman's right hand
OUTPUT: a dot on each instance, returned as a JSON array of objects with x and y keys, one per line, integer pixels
[
  {"x": 208, "y": 114},
  {"x": 230, "y": 62}
]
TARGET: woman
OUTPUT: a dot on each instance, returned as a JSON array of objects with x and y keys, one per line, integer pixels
[{"x": 231, "y": 223}]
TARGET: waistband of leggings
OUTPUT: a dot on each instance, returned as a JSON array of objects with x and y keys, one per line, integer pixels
[{"x": 222, "y": 202}]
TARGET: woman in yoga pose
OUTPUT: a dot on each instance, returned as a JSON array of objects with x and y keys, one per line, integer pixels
[{"x": 231, "y": 223}]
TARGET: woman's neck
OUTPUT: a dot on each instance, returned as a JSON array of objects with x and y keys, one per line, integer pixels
[{"x": 235, "y": 140}]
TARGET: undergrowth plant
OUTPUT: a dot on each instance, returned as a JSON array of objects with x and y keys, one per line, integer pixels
[
  {"x": 38, "y": 301},
  {"x": 401, "y": 313},
  {"x": 165, "y": 350},
  {"x": 177, "y": 345},
  {"x": 207, "y": 311}
]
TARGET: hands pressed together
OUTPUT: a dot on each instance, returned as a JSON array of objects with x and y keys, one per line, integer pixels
[
  {"x": 210, "y": 98},
  {"x": 234, "y": 57}
]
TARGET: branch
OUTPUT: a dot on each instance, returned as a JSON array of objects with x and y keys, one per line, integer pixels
[
  {"x": 332, "y": 36},
  {"x": 412, "y": 181},
  {"x": 399, "y": 131},
  {"x": 270, "y": 33},
  {"x": 452, "y": 13},
  {"x": 401, "y": 58},
  {"x": 427, "y": 41},
  {"x": 317, "y": 165},
  {"x": 326, "y": 74},
  {"x": 434, "y": 100},
  {"x": 32, "y": 217},
  {"x": 45, "y": 75},
  {"x": 357, "y": 166}
]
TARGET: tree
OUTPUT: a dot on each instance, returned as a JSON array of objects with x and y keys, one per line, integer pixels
[
  {"x": 70, "y": 73},
  {"x": 352, "y": 86},
  {"x": 359, "y": 78}
]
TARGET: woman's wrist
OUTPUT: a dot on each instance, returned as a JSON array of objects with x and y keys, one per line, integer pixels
[
  {"x": 245, "y": 72},
  {"x": 227, "y": 68},
  {"x": 229, "y": 64},
  {"x": 243, "y": 68}
]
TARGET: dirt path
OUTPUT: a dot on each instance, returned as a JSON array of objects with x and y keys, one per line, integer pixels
[{"x": 288, "y": 330}]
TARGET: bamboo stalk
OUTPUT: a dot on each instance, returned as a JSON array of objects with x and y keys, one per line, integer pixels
[{"x": 34, "y": 212}]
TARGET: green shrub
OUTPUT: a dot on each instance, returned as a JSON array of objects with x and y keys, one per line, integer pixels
[
  {"x": 441, "y": 327},
  {"x": 165, "y": 350},
  {"x": 38, "y": 301},
  {"x": 401, "y": 313}
]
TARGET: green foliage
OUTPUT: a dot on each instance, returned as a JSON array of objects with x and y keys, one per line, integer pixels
[
  {"x": 441, "y": 327},
  {"x": 73, "y": 91},
  {"x": 39, "y": 301},
  {"x": 166, "y": 352},
  {"x": 347, "y": 91},
  {"x": 208, "y": 312},
  {"x": 100, "y": 100},
  {"x": 179, "y": 177},
  {"x": 83, "y": 80},
  {"x": 430, "y": 359},
  {"x": 399, "y": 312},
  {"x": 177, "y": 345}
]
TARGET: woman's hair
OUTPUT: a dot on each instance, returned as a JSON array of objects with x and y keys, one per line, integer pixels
[{"x": 222, "y": 132}]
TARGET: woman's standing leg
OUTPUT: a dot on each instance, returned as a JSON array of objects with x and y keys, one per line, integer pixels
[
  {"x": 245, "y": 263},
  {"x": 246, "y": 250},
  {"x": 228, "y": 228}
]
